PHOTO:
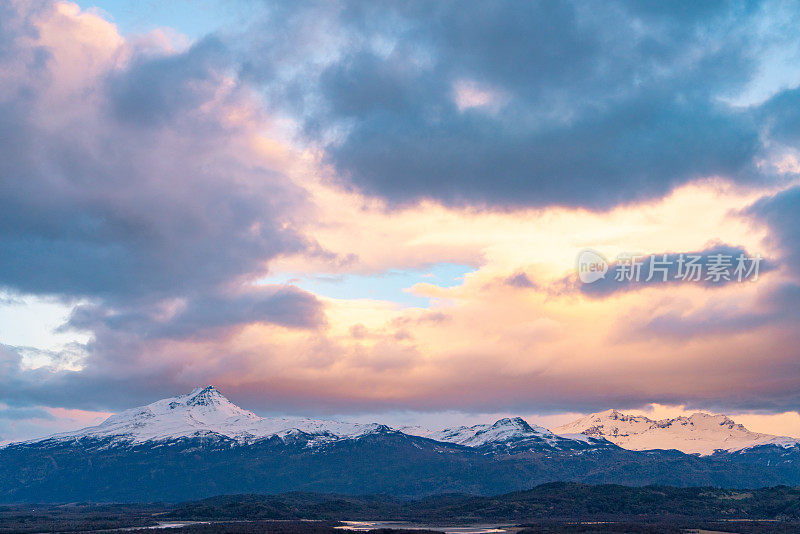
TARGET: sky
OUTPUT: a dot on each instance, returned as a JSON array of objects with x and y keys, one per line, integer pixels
[{"x": 379, "y": 210}]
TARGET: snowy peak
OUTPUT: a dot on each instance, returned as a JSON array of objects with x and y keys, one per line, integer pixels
[
  {"x": 705, "y": 421},
  {"x": 205, "y": 412},
  {"x": 699, "y": 433},
  {"x": 207, "y": 396},
  {"x": 518, "y": 424},
  {"x": 202, "y": 409},
  {"x": 608, "y": 424},
  {"x": 509, "y": 433},
  {"x": 479, "y": 435}
]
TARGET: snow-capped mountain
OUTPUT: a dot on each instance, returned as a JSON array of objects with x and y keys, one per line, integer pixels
[
  {"x": 201, "y": 444},
  {"x": 206, "y": 412},
  {"x": 699, "y": 433},
  {"x": 501, "y": 431},
  {"x": 509, "y": 433}
]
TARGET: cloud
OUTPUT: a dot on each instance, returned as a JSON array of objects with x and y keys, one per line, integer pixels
[
  {"x": 137, "y": 182},
  {"x": 770, "y": 305},
  {"x": 205, "y": 315},
  {"x": 162, "y": 89},
  {"x": 780, "y": 115},
  {"x": 520, "y": 280},
  {"x": 21, "y": 423},
  {"x": 133, "y": 184},
  {"x": 715, "y": 266},
  {"x": 151, "y": 188},
  {"x": 14, "y": 414},
  {"x": 579, "y": 105},
  {"x": 780, "y": 213}
]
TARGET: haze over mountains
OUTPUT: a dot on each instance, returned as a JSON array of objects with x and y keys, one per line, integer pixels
[{"x": 201, "y": 444}]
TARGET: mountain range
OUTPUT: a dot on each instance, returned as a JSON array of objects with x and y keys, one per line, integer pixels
[
  {"x": 202, "y": 444},
  {"x": 700, "y": 433}
]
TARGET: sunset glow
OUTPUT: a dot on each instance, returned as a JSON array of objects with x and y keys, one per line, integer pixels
[{"x": 365, "y": 215}]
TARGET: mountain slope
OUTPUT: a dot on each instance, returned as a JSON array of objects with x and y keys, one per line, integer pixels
[
  {"x": 206, "y": 412},
  {"x": 201, "y": 444},
  {"x": 698, "y": 434},
  {"x": 513, "y": 434},
  {"x": 501, "y": 431},
  {"x": 384, "y": 462}
]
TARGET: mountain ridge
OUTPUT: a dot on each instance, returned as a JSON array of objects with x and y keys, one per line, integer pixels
[
  {"x": 699, "y": 433},
  {"x": 200, "y": 444},
  {"x": 205, "y": 412}
]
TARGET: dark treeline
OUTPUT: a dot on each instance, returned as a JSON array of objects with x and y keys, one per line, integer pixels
[
  {"x": 553, "y": 500},
  {"x": 552, "y": 508}
]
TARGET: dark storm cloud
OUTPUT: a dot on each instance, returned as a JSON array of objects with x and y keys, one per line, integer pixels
[{"x": 589, "y": 105}]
